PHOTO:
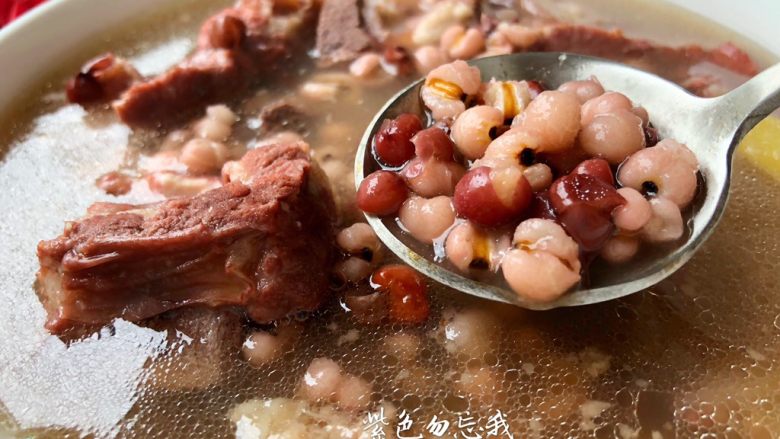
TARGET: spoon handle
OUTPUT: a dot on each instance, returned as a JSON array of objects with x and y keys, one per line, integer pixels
[{"x": 740, "y": 110}]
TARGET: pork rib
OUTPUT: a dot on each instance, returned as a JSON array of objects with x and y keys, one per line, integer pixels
[{"x": 262, "y": 241}]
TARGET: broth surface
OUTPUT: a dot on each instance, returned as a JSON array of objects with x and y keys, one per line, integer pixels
[{"x": 695, "y": 355}]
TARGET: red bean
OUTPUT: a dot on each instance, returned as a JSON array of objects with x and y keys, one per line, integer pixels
[
  {"x": 392, "y": 143},
  {"x": 434, "y": 143},
  {"x": 651, "y": 135},
  {"x": 407, "y": 295},
  {"x": 584, "y": 189},
  {"x": 589, "y": 226},
  {"x": 381, "y": 193},
  {"x": 598, "y": 168},
  {"x": 584, "y": 205},
  {"x": 564, "y": 162},
  {"x": 399, "y": 58},
  {"x": 492, "y": 197},
  {"x": 541, "y": 207}
]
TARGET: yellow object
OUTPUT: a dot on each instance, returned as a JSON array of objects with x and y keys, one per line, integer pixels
[
  {"x": 762, "y": 146},
  {"x": 445, "y": 88}
]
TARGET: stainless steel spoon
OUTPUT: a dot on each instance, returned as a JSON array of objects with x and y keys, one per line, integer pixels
[{"x": 711, "y": 128}]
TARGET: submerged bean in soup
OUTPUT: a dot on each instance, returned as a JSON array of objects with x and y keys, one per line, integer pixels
[{"x": 695, "y": 355}]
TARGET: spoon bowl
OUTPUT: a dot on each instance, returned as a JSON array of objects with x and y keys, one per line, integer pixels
[{"x": 710, "y": 127}]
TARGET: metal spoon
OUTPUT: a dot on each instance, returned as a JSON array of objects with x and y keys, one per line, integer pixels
[{"x": 712, "y": 128}]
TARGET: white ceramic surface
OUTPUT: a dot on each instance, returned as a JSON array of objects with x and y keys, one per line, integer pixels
[
  {"x": 755, "y": 19},
  {"x": 46, "y": 35}
]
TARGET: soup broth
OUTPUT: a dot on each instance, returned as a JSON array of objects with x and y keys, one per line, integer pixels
[{"x": 696, "y": 355}]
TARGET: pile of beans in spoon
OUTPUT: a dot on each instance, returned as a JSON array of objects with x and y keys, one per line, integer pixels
[{"x": 530, "y": 182}]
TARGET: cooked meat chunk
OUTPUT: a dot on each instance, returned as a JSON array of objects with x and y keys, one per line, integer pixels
[
  {"x": 207, "y": 76},
  {"x": 339, "y": 34},
  {"x": 283, "y": 115},
  {"x": 614, "y": 44},
  {"x": 678, "y": 64},
  {"x": 250, "y": 27},
  {"x": 262, "y": 241},
  {"x": 236, "y": 47},
  {"x": 223, "y": 31},
  {"x": 101, "y": 79}
]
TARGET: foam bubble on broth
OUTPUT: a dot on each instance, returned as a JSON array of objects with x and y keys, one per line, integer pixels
[{"x": 703, "y": 343}]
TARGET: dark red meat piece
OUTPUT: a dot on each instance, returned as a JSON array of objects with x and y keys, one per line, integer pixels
[
  {"x": 340, "y": 36},
  {"x": 673, "y": 63},
  {"x": 283, "y": 115},
  {"x": 208, "y": 76},
  {"x": 225, "y": 31},
  {"x": 261, "y": 242},
  {"x": 733, "y": 58},
  {"x": 236, "y": 48}
]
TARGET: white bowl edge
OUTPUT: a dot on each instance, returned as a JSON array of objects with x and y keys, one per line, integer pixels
[
  {"x": 756, "y": 20},
  {"x": 27, "y": 53}
]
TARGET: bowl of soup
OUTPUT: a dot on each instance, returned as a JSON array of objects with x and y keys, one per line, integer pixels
[{"x": 184, "y": 256}]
